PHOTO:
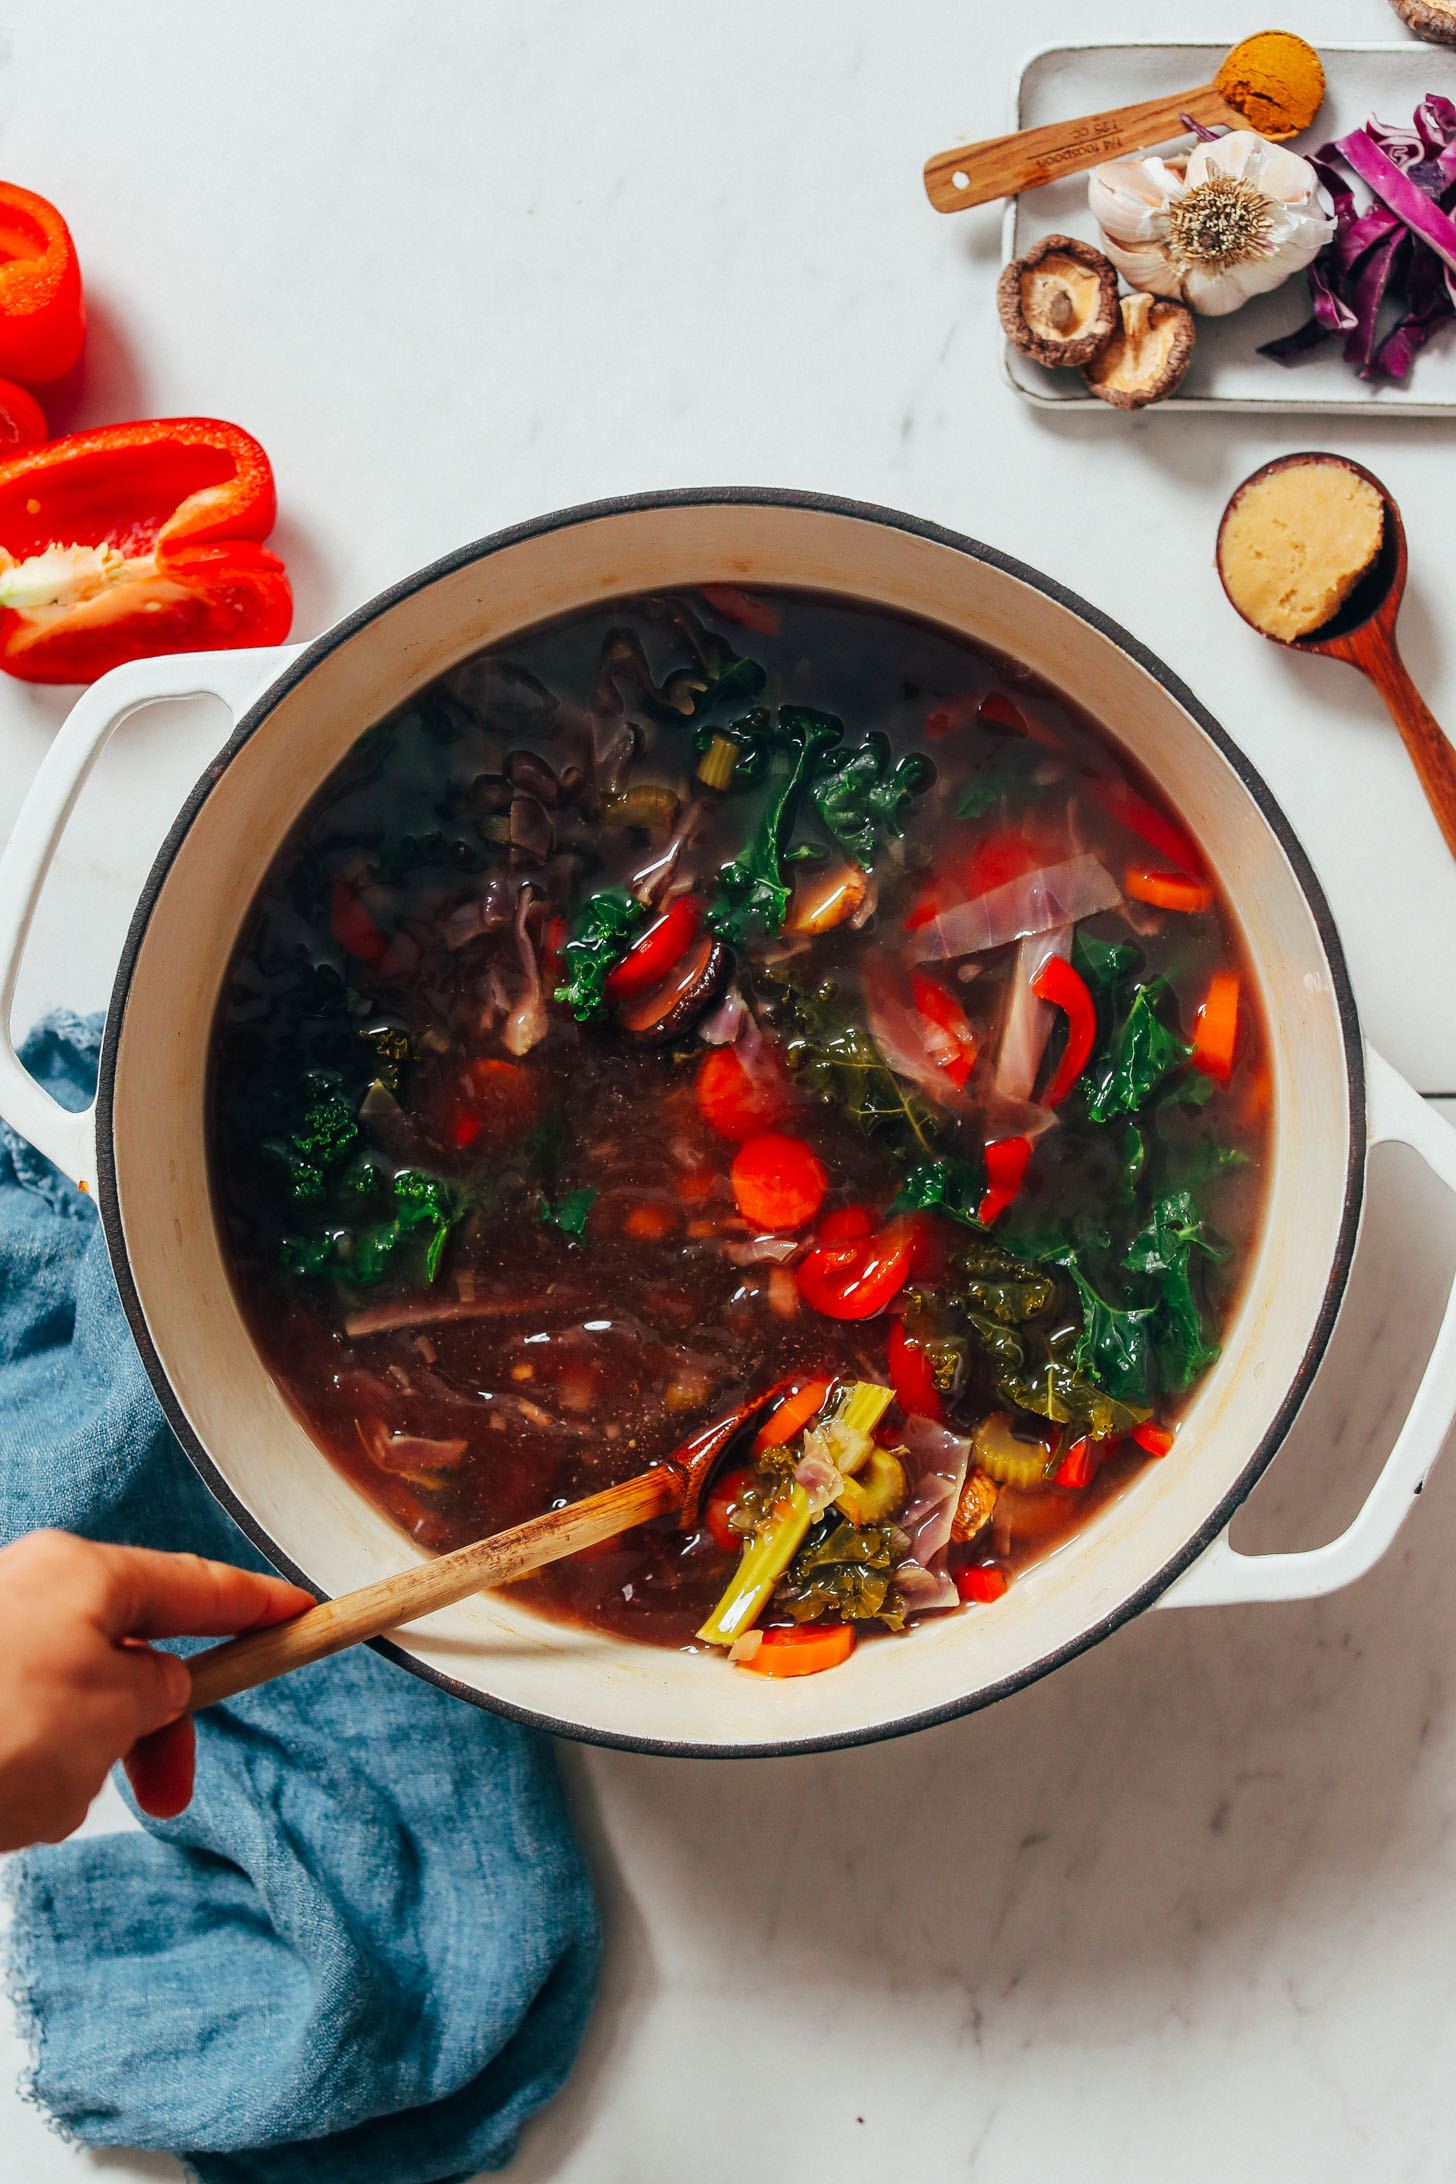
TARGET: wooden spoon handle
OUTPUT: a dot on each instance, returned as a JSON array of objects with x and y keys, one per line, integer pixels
[
  {"x": 1003, "y": 165},
  {"x": 334, "y": 1624},
  {"x": 1373, "y": 651}
]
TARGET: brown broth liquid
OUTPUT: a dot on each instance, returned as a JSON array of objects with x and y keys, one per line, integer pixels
[{"x": 537, "y": 1365}]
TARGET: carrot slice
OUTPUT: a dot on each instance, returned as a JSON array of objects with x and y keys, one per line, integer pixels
[
  {"x": 1217, "y": 1026},
  {"x": 739, "y": 1106},
  {"x": 785, "y": 1424},
  {"x": 1166, "y": 890},
  {"x": 803, "y": 1652},
  {"x": 778, "y": 1182}
]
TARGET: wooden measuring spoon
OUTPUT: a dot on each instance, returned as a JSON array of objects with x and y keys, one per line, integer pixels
[
  {"x": 1363, "y": 634},
  {"x": 679, "y": 1483},
  {"x": 972, "y": 174}
]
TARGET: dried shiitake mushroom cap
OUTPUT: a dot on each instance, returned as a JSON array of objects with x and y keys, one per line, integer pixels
[
  {"x": 1058, "y": 301},
  {"x": 1147, "y": 355}
]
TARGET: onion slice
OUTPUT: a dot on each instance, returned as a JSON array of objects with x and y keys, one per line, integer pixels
[{"x": 1053, "y": 895}]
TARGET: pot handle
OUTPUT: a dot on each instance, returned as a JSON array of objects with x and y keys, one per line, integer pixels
[
  {"x": 239, "y": 678},
  {"x": 1221, "y": 1575}
]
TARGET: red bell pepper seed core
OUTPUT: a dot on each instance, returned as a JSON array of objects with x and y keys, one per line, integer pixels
[
  {"x": 185, "y": 501},
  {"x": 948, "y": 1017},
  {"x": 1078, "y": 1467},
  {"x": 1167, "y": 890},
  {"x": 1157, "y": 1440},
  {"x": 352, "y": 926},
  {"x": 1006, "y": 1160},
  {"x": 778, "y": 1182},
  {"x": 653, "y": 955},
  {"x": 855, "y": 1280},
  {"x": 845, "y": 1225},
  {"x": 22, "y": 420},
  {"x": 803, "y": 1652},
  {"x": 983, "y": 1581},
  {"x": 742, "y": 607},
  {"x": 1066, "y": 990},
  {"x": 1122, "y": 802},
  {"x": 911, "y": 1377},
  {"x": 42, "y": 313},
  {"x": 736, "y": 1105},
  {"x": 717, "y": 1506},
  {"x": 1217, "y": 1027}
]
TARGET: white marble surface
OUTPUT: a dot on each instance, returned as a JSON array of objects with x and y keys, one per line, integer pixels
[{"x": 1189, "y": 1907}]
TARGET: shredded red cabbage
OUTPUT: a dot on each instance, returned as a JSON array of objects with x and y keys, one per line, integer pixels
[{"x": 1387, "y": 278}]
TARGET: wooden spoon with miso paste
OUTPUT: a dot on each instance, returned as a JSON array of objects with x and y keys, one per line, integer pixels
[
  {"x": 678, "y": 1483},
  {"x": 1311, "y": 552},
  {"x": 1272, "y": 82}
]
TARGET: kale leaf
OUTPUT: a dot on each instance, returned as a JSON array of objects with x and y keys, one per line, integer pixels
[
  {"x": 605, "y": 925},
  {"x": 950, "y": 1185},
  {"x": 830, "y": 1053},
  {"x": 846, "y": 1570},
  {"x": 752, "y": 893},
  {"x": 569, "y": 1213},
  {"x": 422, "y": 1211},
  {"x": 323, "y": 1136},
  {"x": 1143, "y": 1050},
  {"x": 1008, "y": 771},
  {"x": 863, "y": 799},
  {"x": 1163, "y": 1251}
]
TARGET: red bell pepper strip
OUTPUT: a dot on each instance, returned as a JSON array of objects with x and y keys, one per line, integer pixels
[
  {"x": 717, "y": 1506},
  {"x": 42, "y": 314},
  {"x": 22, "y": 420},
  {"x": 995, "y": 707},
  {"x": 1217, "y": 1027},
  {"x": 911, "y": 1377},
  {"x": 982, "y": 1582},
  {"x": 1121, "y": 802},
  {"x": 954, "y": 1052},
  {"x": 1006, "y": 1160},
  {"x": 133, "y": 540},
  {"x": 742, "y": 607},
  {"x": 1066, "y": 990},
  {"x": 1079, "y": 1466},
  {"x": 352, "y": 926},
  {"x": 653, "y": 955},
  {"x": 1156, "y": 1440},
  {"x": 856, "y": 1279}
]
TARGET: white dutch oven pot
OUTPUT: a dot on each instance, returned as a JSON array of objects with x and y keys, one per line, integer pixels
[{"x": 142, "y": 1147}]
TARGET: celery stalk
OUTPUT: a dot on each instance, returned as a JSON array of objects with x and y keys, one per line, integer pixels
[{"x": 766, "y": 1556}]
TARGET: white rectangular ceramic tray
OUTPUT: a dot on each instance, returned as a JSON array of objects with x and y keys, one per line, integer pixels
[{"x": 1059, "y": 82}]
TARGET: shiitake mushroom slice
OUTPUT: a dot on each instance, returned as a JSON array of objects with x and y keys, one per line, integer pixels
[{"x": 1058, "y": 301}]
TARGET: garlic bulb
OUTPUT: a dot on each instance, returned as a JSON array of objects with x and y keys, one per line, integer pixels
[{"x": 1234, "y": 219}]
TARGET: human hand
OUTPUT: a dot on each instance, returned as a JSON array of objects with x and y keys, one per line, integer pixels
[{"x": 80, "y": 1687}]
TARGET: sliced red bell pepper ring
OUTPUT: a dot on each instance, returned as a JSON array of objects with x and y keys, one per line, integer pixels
[
  {"x": 911, "y": 1376},
  {"x": 135, "y": 540},
  {"x": 1006, "y": 1160},
  {"x": 1066, "y": 990},
  {"x": 42, "y": 311}
]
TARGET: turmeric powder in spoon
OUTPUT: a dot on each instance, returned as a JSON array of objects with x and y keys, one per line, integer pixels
[{"x": 1275, "y": 80}]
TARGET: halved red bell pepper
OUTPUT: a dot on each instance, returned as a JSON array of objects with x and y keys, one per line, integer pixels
[
  {"x": 42, "y": 314},
  {"x": 133, "y": 540}
]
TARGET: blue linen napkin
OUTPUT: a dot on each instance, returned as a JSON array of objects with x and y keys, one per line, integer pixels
[{"x": 367, "y": 1950}]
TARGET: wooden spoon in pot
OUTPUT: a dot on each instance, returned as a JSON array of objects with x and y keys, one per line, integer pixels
[
  {"x": 679, "y": 1483},
  {"x": 1362, "y": 633},
  {"x": 972, "y": 174}
]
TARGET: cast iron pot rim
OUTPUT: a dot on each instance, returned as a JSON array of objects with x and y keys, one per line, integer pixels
[{"x": 1253, "y": 781}]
